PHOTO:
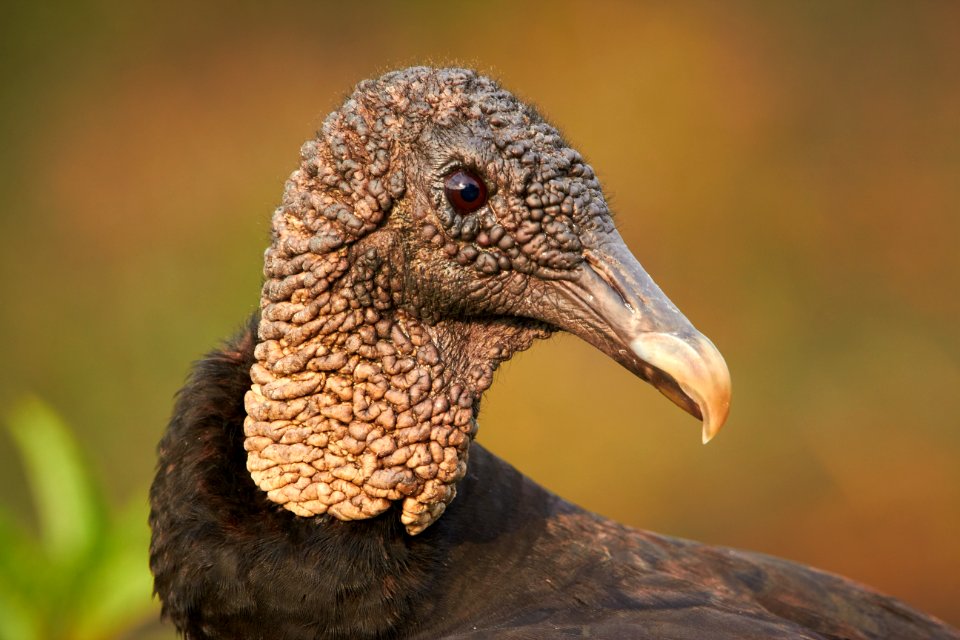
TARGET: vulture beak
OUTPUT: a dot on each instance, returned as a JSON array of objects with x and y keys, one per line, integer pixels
[{"x": 615, "y": 306}]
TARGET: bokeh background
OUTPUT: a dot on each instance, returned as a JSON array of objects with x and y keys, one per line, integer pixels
[{"x": 789, "y": 172}]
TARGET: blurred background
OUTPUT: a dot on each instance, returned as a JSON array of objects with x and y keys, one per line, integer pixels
[{"x": 789, "y": 173}]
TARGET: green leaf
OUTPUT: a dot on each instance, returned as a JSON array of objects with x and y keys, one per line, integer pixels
[
  {"x": 22, "y": 571},
  {"x": 118, "y": 593},
  {"x": 18, "y": 620},
  {"x": 23, "y": 565},
  {"x": 87, "y": 578},
  {"x": 69, "y": 507}
]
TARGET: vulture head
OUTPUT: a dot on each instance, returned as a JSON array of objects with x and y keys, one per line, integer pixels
[{"x": 435, "y": 226}]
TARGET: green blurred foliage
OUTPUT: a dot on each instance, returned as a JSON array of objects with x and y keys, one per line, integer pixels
[
  {"x": 84, "y": 577},
  {"x": 787, "y": 171}
]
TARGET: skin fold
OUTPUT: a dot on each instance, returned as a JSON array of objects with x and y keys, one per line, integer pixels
[{"x": 318, "y": 478}]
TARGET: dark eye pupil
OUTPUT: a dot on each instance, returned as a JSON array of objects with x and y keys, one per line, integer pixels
[
  {"x": 470, "y": 192},
  {"x": 465, "y": 191}
]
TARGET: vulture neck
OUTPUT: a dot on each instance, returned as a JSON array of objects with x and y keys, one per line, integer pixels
[
  {"x": 363, "y": 579},
  {"x": 356, "y": 403}
]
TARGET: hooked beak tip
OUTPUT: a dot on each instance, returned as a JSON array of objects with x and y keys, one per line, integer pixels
[{"x": 695, "y": 373}]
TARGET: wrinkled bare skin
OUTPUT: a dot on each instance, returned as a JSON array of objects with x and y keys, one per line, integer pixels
[
  {"x": 384, "y": 311},
  {"x": 384, "y": 315}
]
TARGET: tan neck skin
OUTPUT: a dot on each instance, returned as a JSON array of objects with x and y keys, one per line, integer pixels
[{"x": 355, "y": 403}]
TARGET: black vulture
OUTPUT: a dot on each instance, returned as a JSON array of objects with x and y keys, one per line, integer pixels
[{"x": 317, "y": 479}]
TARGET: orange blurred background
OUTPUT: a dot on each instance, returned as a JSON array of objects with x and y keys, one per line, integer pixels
[{"x": 788, "y": 172}]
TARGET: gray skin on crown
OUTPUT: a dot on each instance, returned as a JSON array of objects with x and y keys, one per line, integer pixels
[{"x": 385, "y": 312}]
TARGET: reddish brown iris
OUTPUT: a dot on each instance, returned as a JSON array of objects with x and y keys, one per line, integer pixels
[{"x": 465, "y": 191}]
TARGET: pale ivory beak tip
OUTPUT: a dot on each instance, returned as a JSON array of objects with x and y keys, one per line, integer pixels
[{"x": 698, "y": 369}]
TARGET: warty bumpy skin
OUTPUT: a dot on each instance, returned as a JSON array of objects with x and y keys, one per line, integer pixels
[{"x": 364, "y": 392}]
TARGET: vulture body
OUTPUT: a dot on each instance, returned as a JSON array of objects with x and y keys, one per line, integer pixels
[{"x": 318, "y": 480}]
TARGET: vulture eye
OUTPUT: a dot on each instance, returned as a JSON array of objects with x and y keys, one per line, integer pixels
[{"x": 465, "y": 191}]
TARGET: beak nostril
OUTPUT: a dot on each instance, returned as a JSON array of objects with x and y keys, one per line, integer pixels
[{"x": 603, "y": 271}]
